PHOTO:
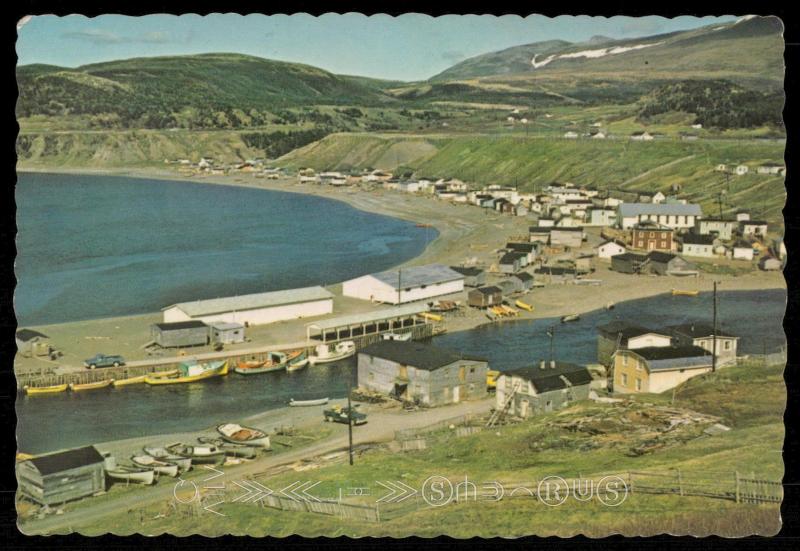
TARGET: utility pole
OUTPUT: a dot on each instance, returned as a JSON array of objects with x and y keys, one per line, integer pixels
[
  {"x": 350, "y": 424},
  {"x": 551, "y": 332},
  {"x": 714, "y": 341},
  {"x": 399, "y": 285}
]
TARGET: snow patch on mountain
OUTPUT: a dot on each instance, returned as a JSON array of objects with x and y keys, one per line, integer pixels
[{"x": 592, "y": 54}]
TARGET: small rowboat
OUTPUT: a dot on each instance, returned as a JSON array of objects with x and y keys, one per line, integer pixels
[
  {"x": 162, "y": 454},
  {"x": 129, "y": 381},
  {"x": 161, "y": 467},
  {"x": 303, "y": 403},
  {"x": 199, "y": 454},
  {"x": 189, "y": 372},
  {"x": 231, "y": 450},
  {"x": 570, "y": 317},
  {"x": 29, "y": 390},
  {"x": 246, "y": 436},
  {"x": 524, "y": 305},
  {"x": 396, "y": 336},
  {"x": 75, "y": 387},
  {"x": 684, "y": 293},
  {"x": 297, "y": 359},
  {"x": 132, "y": 474}
]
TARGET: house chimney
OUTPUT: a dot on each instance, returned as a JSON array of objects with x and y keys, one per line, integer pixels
[{"x": 541, "y": 364}]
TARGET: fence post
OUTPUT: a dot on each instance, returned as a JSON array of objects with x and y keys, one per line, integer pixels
[
  {"x": 680, "y": 483},
  {"x": 737, "y": 487}
]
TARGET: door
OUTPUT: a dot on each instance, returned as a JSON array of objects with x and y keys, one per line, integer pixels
[
  {"x": 456, "y": 394},
  {"x": 523, "y": 409}
]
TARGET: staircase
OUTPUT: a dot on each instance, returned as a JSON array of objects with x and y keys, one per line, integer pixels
[{"x": 499, "y": 414}]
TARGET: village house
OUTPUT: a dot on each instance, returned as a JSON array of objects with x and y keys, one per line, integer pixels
[
  {"x": 60, "y": 477},
  {"x": 584, "y": 264},
  {"x": 656, "y": 369},
  {"x": 721, "y": 168},
  {"x": 674, "y": 215},
  {"x": 702, "y": 335},
  {"x": 741, "y": 170},
  {"x": 629, "y": 263},
  {"x": 607, "y": 249},
  {"x": 641, "y": 136},
  {"x": 32, "y": 343},
  {"x": 743, "y": 250},
  {"x": 571, "y": 135},
  {"x": 180, "y": 333},
  {"x": 721, "y": 227},
  {"x": 550, "y": 386},
  {"x": 669, "y": 264},
  {"x": 511, "y": 263},
  {"x": 554, "y": 274},
  {"x": 601, "y": 217},
  {"x": 651, "y": 236},
  {"x": 529, "y": 249},
  {"x": 421, "y": 373},
  {"x": 566, "y": 237},
  {"x": 770, "y": 263},
  {"x": 525, "y": 281},
  {"x": 539, "y": 234},
  {"x": 568, "y": 221},
  {"x": 771, "y": 168},
  {"x": 742, "y": 216},
  {"x": 405, "y": 285},
  {"x": 473, "y": 276},
  {"x": 484, "y": 297},
  {"x": 508, "y": 286},
  {"x": 622, "y": 335},
  {"x": 697, "y": 245},
  {"x": 750, "y": 228},
  {"x": 223, "y": 332},
  {"x": 546, "y": 222}
]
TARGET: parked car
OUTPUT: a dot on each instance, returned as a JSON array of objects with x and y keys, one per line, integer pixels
[
  {"x": 338, "y": 414},
  {"x": 101, "y": 360}
]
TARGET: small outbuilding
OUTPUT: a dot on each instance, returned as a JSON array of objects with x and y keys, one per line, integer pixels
[
  {"x": 180, "y": 334},
  {"x": 227, "y": 333},
  {"x": 32, "y": 343},
  {"x": 769, "y": 263},
  {"x": 540, "y": 389},
  {"x": 473, "y": 276},
  {"x": 60, "y": 477},
  {"x": 525, "y": 281},
  {"x": 484, "y": 297}
]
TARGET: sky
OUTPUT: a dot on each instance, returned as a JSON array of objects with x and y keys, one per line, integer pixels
[{"x": 408, "y": 47}]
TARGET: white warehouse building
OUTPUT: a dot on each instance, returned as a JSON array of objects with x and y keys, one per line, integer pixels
[
  {"x": 256, "y": 309},
  {"x": 674, "y": 215},
  {"x": 406, "y": 285}
]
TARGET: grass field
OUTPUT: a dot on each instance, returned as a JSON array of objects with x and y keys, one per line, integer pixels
[{"x": 748, "y": 399}]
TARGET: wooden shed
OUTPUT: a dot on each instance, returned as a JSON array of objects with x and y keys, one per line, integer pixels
[
  {"x": 473, "y": 276},
  {"x": 32, "y": 343},
  {"x": 227, "y": 333},
  {"x": 180, "y": 333},
  {"x": 60, "y": 477},
  {"x": 484, "y": 297}
]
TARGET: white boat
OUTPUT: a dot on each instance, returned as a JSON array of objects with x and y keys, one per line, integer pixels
[
  {"x": 324, "y": 354},
  {"x": 231, "y": 450},
  {"x": 570, "y": 317},
  {"x": 199, "y": 454},
  {"x": 161, "y": 467},
  {"x": 397, "y": 336},
  {"x": 302, "y": 403},
  {"x": 245, "y": 436},
  {"x": 132, "y": 474},
  {"x": 162, "y": 454}
]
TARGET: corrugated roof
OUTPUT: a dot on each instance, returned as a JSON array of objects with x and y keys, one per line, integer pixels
[
  {"x": 367, "y": 317},
  {"x": 550, "y": 378},
  {"x": 489, "y": 290},
  {"x": 467, "y": 270},
  {"x": 418, "y": 275},
  {"x": 174, "y": 326},
  {"x": 416, "y": 354},
  {"x": 679, "y": 209},
  {"x": 670, "y": 352},
  {"x": 66, "y": 460},
  {"x": 250, "y": 302}
]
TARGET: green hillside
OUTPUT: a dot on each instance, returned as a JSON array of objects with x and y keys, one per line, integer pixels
[{"x": 158, "y": 92}]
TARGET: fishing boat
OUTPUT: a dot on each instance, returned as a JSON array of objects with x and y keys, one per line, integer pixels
[
  {"x": 204, "y": 453},
  {"x": 323, "y": 353},
  {"x": 52, "y": 389},
  {"x": 397, "y": 336},
  {"x": 132, "y": 474},
  {"x": 161, "y": 467},
  {"x": 162, "y": 454},
  {"x": 129, "y": 381},
  {"x": 298, "y": 362},
  {"x": 684, "y": 293},
  {"x": 189, "y": 372},
  {"x": 303, "y": 403},
  {"x": 570, "y": 317},
  {"x": 231, "y": 450},
  {"x": 247, "y": 436},
  {"x": 75, "y": 387},
  {"x": 524, "y": 305}
]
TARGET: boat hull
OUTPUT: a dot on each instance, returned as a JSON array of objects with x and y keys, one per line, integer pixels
[
  {"x": 172, "y": 380},
  {"x": 160, "y": 467},
  {"x": 139, "y": 476},
  {"x": 306, "y": 403},
  {"x": 33, "y": 390},
  {"x": 259, "y": 439},
  {"x": 129, "y": 381},
  {"x": 183, "y": 463},
  {"x": 77, "y": 387}
]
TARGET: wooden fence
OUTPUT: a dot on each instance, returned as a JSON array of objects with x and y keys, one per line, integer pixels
[{"x": 411, "y": 434}]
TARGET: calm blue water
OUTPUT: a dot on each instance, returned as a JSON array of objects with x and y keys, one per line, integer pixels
[
  {"x": 141, "y": 410},
  {"x": 99, "y": 246}
]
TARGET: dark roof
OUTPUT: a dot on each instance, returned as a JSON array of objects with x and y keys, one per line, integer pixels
[
  {"x": 630, "y": 256},
  {"x": 416, "y": 354},
  {"x": 754, "y": 223},
  {"x": 697, "y": 330},
  {"x": 540, "y": 228},
  {"x": 562, "y": 228},
  {"x": 693, "y": 239},
  {"x": 521, "y": 246},
  {"x": 489, "y": 290},
  {"x": 670, "y": 352},
  {"x": 657, "y": 256},
  {"x": 63, "y": 461},
  {"x": 523, "y": 276},
  {"x": 511, "y": 257},
  {"x": 174, "y": 326},
  {"x": 713, "y": 219},
  {"x": 549, "y": 378},
  {"x": 554, "y": 270},
  {"x": 26, "y": 335},
  {"x": 627, "y": 330},
  {"x": 467, "y": 271},
  {"x": 742, "y": 244}
]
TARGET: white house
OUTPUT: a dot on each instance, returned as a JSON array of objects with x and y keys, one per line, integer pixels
[
  {"x": 721, "y": 168},
  {"x": 642, "y": 136},
  {"x": 741, "y": 170},
  {"x": 698, "y": 245},
  {"x": 607, "y": 249},
  {"x": 255, "y": 309},
  {"x": 751, "y": 228},
  {"x": 602, "y": 217},
  {"x": 742, "y": 250},
  {"x": 770, "y": 168},
  {"x": 673, "y": 215},
  {"x": 405, "y": 285},
  {"x": 723, "y": 227},
  {"x": 571, "y": 135}
]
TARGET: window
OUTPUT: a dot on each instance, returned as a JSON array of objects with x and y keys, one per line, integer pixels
[
  {"x": 726, "y": 345},
  {"x": 472, "y": 370},
  {"x": 624, "y": 379},
  {"x": 652, "y": 234},
  {"x": 624, "y": 360},
  {"x": 638, "y": 384}
]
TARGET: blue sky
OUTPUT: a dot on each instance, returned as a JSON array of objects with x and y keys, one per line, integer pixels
[{"x": 408, "y": 47}]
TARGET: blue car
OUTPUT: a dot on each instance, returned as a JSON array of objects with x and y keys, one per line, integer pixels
[{"x": 101, "y": 360}]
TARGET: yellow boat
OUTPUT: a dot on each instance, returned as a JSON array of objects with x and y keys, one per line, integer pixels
[
  {"x": 429, "y": 316},
  {"x": 509, "y": 310},
  {"x": 524, "y": 305},
  {"x": 491, "y": 378},
  {"x": 44, "y": 389},
  {"x": 24, "y": 456},
  {"x": 75, "y": 387},
  {"x": 682, "y": 293},
  {"x": 190, "y": 372},
  {"x": 129, "y": 381}
]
